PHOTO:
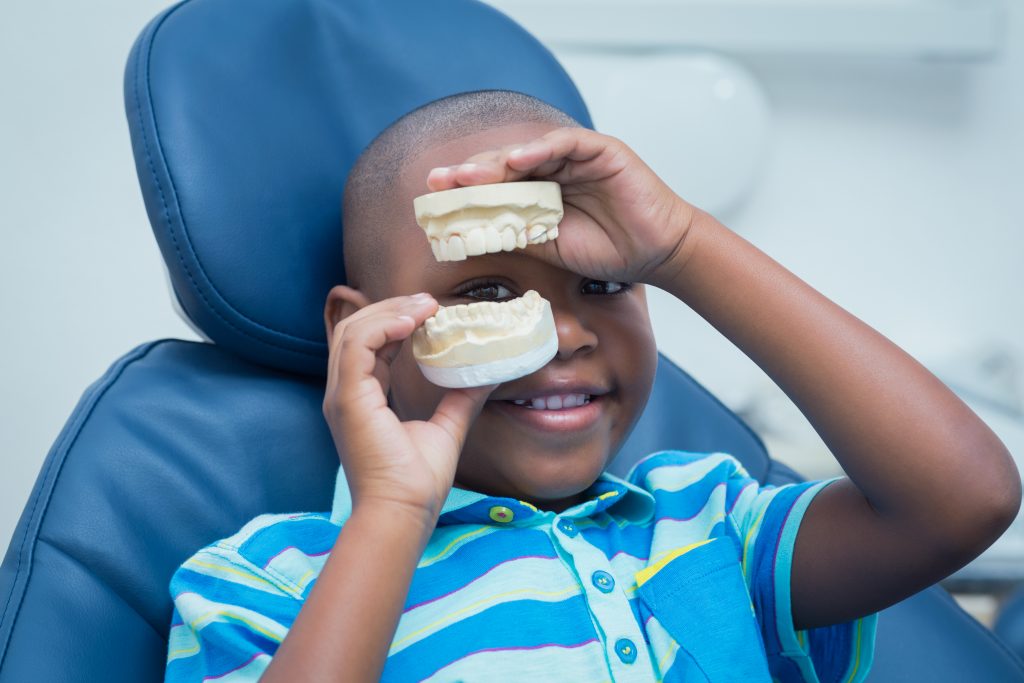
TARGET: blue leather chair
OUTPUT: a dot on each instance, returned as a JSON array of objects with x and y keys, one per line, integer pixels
[{"x": 245, "y": 116}]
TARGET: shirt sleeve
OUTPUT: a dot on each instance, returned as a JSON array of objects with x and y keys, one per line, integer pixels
[
  {"x": 229, "y": 618},
  {"x": 767, "y": 519}
]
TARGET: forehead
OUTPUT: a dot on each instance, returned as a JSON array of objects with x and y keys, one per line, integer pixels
[
  {"x": 409, "y": 250},
  {"x": 414, "y": 175}
]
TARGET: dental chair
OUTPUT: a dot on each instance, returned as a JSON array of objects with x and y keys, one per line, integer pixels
[{"x": 245, "y": 117}]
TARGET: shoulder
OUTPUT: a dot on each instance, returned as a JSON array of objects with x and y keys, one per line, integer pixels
[
  {"x": 280, "y": 553},
  {"x": 678, "y": 469}
]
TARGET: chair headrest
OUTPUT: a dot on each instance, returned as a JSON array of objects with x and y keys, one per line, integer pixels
[{"x": 245, "y": 118}]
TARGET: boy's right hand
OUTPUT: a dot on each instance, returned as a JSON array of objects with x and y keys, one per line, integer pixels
[{"x": 388, "y": 462}]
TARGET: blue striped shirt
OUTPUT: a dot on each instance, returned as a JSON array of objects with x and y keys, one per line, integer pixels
[{"x": 678, "y": 573}]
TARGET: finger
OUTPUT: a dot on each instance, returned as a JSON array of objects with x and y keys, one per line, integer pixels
[
  {"x": 358, "y": 337},
  {"x": 564, "y": 154},
  {"x": 364, "y": 339},
  {"x": 570, "y": 155},
  {"x": 457, "y": 410}
]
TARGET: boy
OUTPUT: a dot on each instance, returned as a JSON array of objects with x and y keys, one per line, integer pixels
[{"x": 537, "y": 564}]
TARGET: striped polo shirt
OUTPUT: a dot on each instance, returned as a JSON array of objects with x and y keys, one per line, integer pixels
[{"x": 680, "y": 572}]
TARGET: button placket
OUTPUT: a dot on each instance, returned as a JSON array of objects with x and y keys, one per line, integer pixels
[{"x": 618, "y": 628}]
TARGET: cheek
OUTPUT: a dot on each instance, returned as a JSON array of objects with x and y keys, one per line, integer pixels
[
  {"x": 412, "y": 396},
  {"x": 632, "y": 350}
]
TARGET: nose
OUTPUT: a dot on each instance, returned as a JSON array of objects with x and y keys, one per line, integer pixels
[{"x": 575, "y": 337}]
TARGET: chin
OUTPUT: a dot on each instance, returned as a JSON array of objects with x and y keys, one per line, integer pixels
[{"x": 553, "y": 477}]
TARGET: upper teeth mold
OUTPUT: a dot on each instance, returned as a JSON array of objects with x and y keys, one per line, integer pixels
[
  {"x": 488, "y": 342},
  {"x": 485, "y": 219}
]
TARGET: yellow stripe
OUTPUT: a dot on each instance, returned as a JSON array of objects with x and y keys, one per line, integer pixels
[
  {"x": 451, "y": 616},
  {"x": 671, "y": 651},
  {"x": 301, "y": 583},
  {"x": 746, "y": 541},
  {"x": 608, "y": 495},
  {"x": 209, "y": 616},
  {"x": 856, "y": 651},
  {"x": 232, "y": 570},
  {"x": 645, "y": 574},
  {"x": 427, "y": 560},
  {"x": 178, "y": 653},
  {"x": 532, "y": 507}
]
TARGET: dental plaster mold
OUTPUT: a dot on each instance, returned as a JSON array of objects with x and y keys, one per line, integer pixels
[
  {"x": 486, "y": 219},
  {"x": 487, "y": 342}
]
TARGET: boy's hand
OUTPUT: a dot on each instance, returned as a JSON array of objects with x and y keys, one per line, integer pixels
[
  {"x": 386, "y": 461},
  {"x": 637, "y": 225}
]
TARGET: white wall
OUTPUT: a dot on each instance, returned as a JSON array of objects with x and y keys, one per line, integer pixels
[
  {"x": 80, "y": 278},
  {"x": 891, "y": 186}
]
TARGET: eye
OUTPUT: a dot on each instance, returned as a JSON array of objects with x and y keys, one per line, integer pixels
[
  {"x": 603, "y": 287},
  {"x": 485, "y": 291}
]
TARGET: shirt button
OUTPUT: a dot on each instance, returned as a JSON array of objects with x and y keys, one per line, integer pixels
[
  {"x": 500, "y": 513},
  {"x": 626, "y": 650},
  {"x": 603, "y": 581},
  {"x": 567, "y": 527}
]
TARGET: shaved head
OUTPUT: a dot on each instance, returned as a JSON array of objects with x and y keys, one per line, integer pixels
[{"x": 374, "y": 184}]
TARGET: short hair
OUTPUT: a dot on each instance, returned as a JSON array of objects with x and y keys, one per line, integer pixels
[{"x": 378, "y": 169}]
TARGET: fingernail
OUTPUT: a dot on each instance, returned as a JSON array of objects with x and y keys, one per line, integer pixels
[
  {"x": 468, "y": 167},
  {"x": 407, "y": 317},
  {"x": 421, "y": 297}
]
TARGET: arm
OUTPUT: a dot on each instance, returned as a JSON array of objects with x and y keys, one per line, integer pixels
[
  {"x": 930, "y": 486},
  {"x": 399, "y": 474}
]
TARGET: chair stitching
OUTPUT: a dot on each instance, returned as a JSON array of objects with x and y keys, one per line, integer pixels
[
  {"x": 106, "y": 584},
  {"x": 174, "y": 240},
  {"x": 25, "y": 556}
]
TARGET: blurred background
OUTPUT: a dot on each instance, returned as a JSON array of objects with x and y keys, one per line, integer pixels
[{"x": 873, "y": 148}]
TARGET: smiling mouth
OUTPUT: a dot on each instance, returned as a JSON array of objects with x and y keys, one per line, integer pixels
[{"x": 554, "y": 402}]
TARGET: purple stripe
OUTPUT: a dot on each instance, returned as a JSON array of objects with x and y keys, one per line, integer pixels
[
  {"x": 510, "y": 649},
  {"x": 452, "y": 592},
  {"x": 775, "y": 560},
  {"x": 698, "y": 512},
  {"x": 738, "y": 494}
]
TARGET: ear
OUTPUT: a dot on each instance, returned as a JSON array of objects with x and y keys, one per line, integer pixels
[{"x": 342, "y": 301}]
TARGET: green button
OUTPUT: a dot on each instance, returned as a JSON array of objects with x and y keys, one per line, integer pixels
[{"x": 500, "y": 513}]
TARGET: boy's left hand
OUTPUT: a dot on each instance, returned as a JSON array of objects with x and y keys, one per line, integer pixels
[{"x": 622, "y": 222}]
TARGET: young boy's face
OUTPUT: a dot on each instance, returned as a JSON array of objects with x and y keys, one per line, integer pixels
[{"x": 606, "y": 350}]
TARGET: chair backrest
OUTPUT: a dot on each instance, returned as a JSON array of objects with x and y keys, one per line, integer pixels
[{"x": 245, "y": 115}]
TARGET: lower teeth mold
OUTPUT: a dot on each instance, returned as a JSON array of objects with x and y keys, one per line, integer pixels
[{"x": 486, "y": 342}]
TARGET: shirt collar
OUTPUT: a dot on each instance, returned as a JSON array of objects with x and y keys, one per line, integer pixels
[{"x": 462, "y": 506}]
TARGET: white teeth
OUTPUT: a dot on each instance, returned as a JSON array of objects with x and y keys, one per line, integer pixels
[
  {"x": 456, "y": 248},
  {"x": 476, "y": 243},
  {"x": 486, "y": 342},
  {"x": 553, "y": 233},
  {"x": 510, "y": 216},
  {"x": 434, "y": 247},
  {"x": 492, "y": 239},
  {"x": 560, "y": 402},
  {"x": 508, "y": 239}
]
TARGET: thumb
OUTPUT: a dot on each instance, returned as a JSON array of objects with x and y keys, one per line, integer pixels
[{"x": 457, "y": 410}]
